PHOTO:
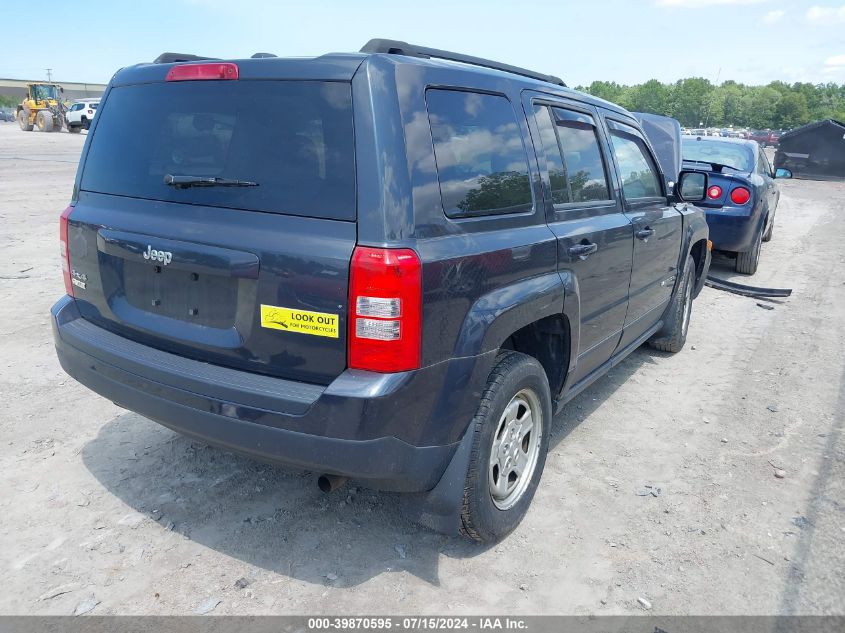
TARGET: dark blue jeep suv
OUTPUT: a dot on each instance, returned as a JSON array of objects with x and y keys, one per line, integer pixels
[{"x": 393, "y": 265}]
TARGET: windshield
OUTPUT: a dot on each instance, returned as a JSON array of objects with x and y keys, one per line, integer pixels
[
  {"x": 708, "y": 150},
  {"x": 293, "y": 138},
  {"x": 45, "y": 92}
]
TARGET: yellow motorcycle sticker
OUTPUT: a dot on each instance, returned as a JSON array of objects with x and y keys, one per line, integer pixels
[{"x": 299, "y": 321}]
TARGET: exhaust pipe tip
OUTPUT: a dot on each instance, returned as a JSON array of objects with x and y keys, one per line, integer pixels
[{"x": 330, "y": 483}]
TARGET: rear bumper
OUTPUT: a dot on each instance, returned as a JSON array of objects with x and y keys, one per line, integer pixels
[
  {"x": 351, "y": 427},
  {"x": 732, "y": 231}
]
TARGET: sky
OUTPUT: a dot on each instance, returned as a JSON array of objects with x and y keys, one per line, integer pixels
[{"x": 750, "y": 41}]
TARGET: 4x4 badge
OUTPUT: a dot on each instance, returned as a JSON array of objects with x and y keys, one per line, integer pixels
[
  {"x": 165, "y": 257},
  {"x": 80, "y": 280}
]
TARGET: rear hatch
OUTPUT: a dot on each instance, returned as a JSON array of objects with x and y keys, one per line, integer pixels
[{"x": 243, "y": 259}]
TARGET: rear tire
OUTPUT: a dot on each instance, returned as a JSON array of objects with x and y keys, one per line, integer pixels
[
  {"x": 673, "y": 334},
  {"x": 74, "y": 129},
  {"x": 44, "y": 121},
  {"x": 510, "y": 440},
  {"x": 23, "y": 121},
  {"x": 746, "y": 262}
]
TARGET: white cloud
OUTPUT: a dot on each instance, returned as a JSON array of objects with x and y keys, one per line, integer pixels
[
  {"x": 698, "y": 4},
  {"x": 773, "y": 16},
  {"x": 826, "y": 15},
  {"x": 834, "y": 68}
]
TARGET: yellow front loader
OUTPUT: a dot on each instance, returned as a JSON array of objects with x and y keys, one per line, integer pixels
[{"x": 42, "y": 107}]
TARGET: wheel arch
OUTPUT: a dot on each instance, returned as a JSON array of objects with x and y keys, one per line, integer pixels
[
  {"x": 701, "y": 259},
  {"x": 538, "y": 316},
  {"x": 549, "y": 341},
  {"x": 695, "y": 244}
]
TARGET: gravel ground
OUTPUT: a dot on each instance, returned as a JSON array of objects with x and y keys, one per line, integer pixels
[{"x": 107, "y": 512}]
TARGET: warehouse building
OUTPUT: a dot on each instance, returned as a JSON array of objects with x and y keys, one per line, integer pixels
[{"x": 815, "y": 151}]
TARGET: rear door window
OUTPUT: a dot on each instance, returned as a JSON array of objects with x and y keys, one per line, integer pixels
[
  {"x": 554, "y": 159},
  {"x": 293, "y": 138},
  {"x": 584, "y": 164},
  {"x": 482, "y": 164}
]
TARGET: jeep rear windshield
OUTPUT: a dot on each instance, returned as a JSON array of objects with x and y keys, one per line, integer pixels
[{"x": 294, "y": 139}]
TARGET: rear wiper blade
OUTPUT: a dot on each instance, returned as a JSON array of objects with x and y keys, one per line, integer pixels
[{"x": 183, "y": 182}]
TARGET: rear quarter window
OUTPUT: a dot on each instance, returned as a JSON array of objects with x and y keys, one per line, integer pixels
[
  {"x": 293, "y": 138},
  {"x": 482, "y": 165}
]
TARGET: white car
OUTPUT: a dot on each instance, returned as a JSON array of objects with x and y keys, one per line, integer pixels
[{"x": 80, "y": 113}]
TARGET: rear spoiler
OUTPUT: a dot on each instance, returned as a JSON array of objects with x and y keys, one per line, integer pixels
[{"x": 172, "y": 58}]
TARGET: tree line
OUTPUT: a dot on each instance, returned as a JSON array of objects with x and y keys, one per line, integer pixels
[
  {"x": 8, "y": 102},
  {"x": 696, "y": 102}
]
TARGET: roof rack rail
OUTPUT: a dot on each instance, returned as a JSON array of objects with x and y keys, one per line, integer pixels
[
  {"x": 170, "y": 58},
  {"x": 397, "y": 47}
]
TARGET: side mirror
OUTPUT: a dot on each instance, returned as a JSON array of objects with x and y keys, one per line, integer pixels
[
  {"x": 692, "y": 186},
  {"x": 780, "y": 172}
]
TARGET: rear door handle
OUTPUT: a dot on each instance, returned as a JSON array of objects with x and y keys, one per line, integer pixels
[
  {"x": 583, "y": 250},
  {"x": 644, "y": 234}
]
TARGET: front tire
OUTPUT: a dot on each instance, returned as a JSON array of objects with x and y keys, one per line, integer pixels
[
  {"x": 510, "y": 440},
  {"x": 747, "y": 261},
  {"x": 44, "y": 121},
  {"x": 673, "y": 334},
  {"x": 74, "y": 129}
]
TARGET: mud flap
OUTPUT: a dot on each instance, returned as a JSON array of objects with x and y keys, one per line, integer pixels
[
  {"x": 702, "y": 273},
  {"x": 440, "y": 508}
]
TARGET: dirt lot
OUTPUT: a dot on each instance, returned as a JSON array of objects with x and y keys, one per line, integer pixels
[{"x": 101, "y": 503}]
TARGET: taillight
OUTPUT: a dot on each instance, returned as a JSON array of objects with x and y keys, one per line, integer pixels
[
  {"x": 90, "y": 112},
  {"x": 714, "y": 192},
  {"x": 63, "y": 249},
  {"x": 193, "y": 72},
  {"x": 385, "y": 309},
  {"x": 740, "y": 195}
]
